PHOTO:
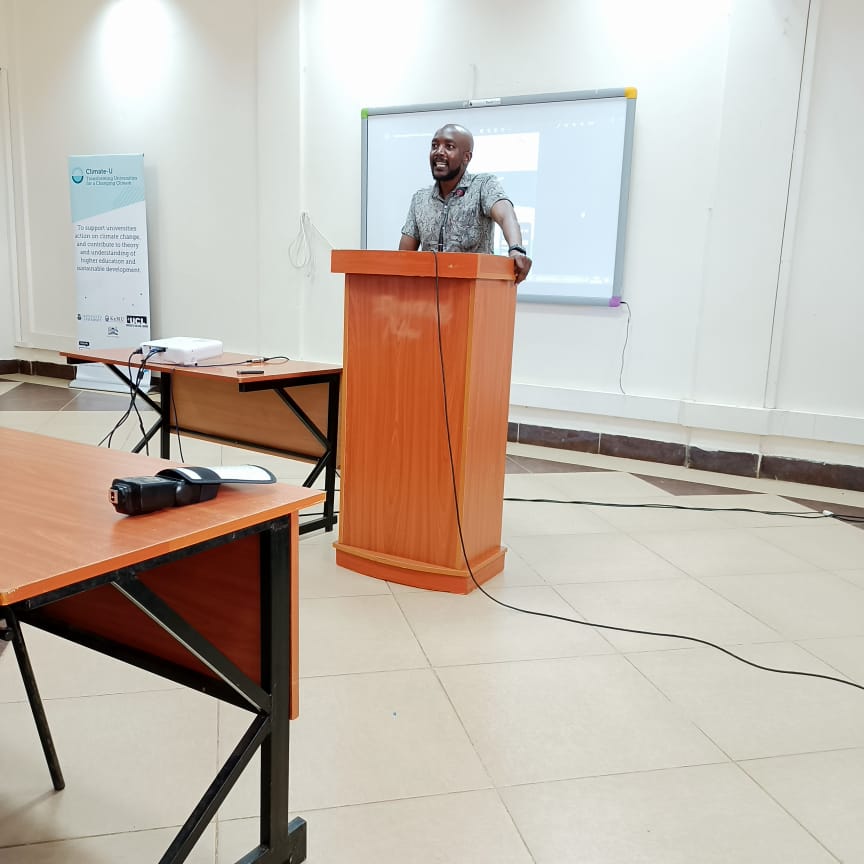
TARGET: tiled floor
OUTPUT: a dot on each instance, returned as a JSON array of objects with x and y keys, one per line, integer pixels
[{"x": 436, "y": 728}]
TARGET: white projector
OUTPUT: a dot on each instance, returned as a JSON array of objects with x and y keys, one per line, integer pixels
[{"x": 182, "y": 350}]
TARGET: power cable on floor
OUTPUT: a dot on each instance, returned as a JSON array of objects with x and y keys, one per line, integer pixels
[{"x": 550, "y": 615}]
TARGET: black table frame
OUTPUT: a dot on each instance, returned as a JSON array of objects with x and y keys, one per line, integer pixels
[
  {"x": 328, "y": 438},
  {"x": 281, "y": 841}
]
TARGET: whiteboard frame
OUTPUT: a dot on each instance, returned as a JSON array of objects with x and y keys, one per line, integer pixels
[{"x": 628, "y": 93}]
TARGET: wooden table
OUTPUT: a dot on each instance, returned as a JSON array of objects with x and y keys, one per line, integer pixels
[
  {"x": 216, "y": 402},
  {"x": 204, "y": 595}
]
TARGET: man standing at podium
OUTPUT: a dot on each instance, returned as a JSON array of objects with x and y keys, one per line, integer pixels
[{"x": 456, "y": 213}]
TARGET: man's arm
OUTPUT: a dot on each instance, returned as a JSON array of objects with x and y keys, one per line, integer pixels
[
  {"x": 504, "y": 214},
  {"x": 409, "y": 241}
]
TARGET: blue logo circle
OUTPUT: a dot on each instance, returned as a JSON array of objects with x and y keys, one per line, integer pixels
[{"x": 77, "y": 175}]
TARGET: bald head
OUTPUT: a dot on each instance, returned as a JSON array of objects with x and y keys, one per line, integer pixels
[
  {"x": 460, "y": 133},
  {"x": 452, "y": 149}
]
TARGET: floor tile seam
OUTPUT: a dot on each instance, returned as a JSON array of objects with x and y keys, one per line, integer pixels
[
  {"x": 749, "y": 613},
  {"x": 541, "y": 658},
  {"x": 634, "y": 630},
  {"x": 29, "y": 411},
  {"x": 839, "y": 575},
  {"x": 633, "y": 532},
  {"x": 635, "y": 537},
  {"x": 652, "y": 554},
  {"x": 307, "y": 676},
  {"x": 706, "y": 646},
  {"x": 387, "y": 595},
  {"x": 514, "y": 822},
  {"x": 811, "y": 750},
  {"x": 812, "y": 570},
  {"x": 852, "y": 748},
  {"x": 642, "y": 580},
  {"x": 56, "y": 396},
  {"x": 585, "y": 623},
  {"x": 788, "y": 671},
  {"x": 522, "y": 661},
  {"x": 834, "y": 669},
  {"x": 600, "y": 627},
  {"x": 558, "y": 584},
  {"x": 830, "y": 638},
  {"x": 524, "y": 560},
  {"x": 601, "y": 633},
  {"x": 431, "y": 669},
  {"x": 304, "y": 597},
  {"x": 849, "y": 531},
  {"x": 699, "y": 642},
  {"x": 590, "y": 531},
  {"x": 354, "y": 805},
  {"x": 645, "y": 580},
  {"x": 680, "y": 710},
  {"x": 770, "y": 570},
  {"x": 41, "y": 380},
  {"x": 633, "y": 772},
  {"x": 771, "y": 797},
  {"x": 80, "y": 837},
  {"x": 465, "y": 730},
  {"x": 411, "y": 630},
  {"x": 82, "y": 696}
]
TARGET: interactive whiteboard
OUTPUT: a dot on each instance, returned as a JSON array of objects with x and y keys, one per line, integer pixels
[{"x": 564, "y": 161}]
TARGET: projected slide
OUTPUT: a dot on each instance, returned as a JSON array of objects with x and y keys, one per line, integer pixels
[{"x": 564, "y": 161}]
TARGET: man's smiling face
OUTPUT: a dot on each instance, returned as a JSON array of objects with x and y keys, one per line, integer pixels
[{"x": 450, "y": 154}]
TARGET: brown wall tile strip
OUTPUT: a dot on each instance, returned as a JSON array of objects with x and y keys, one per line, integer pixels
[
  {"x": 817, "y": 473},
  {"x": 720, "y": 461},
  {"x": 643, "y": 448},
  {"x": 565, "y": 439},
  {"x": 37, "y": 367},
  {"x": 723, "y": 462}
]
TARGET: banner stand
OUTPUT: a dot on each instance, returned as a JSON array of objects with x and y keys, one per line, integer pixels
[{"x": 112, "y": 278}]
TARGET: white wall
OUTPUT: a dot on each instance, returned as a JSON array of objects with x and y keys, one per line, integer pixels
[
  {"x": 741, "y": 268},
  {"x": 822, "y": 349},
  {"x": 8, "y": 246},
  {"x": 181, "y": 86}
]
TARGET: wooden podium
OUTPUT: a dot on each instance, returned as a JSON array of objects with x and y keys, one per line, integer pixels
[{"x": 398, "y": 517}]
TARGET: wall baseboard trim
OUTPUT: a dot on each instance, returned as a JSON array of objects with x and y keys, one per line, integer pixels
[
  {"x": 37, "y": 367},
  {"x": 720, "y": 461}
]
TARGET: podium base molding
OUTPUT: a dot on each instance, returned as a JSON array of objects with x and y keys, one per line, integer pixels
[{"x": 420, "y": 574}]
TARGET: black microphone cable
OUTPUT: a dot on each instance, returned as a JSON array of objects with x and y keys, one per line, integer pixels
[
  {"x": 794, "y": 514},
  {"x": 550, "y": 615},
  {"x": 134, "y": 388},
  {"x": 441, "y": 232}
]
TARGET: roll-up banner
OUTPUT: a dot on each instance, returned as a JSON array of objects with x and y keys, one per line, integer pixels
[{"x": 109, "y": 220}]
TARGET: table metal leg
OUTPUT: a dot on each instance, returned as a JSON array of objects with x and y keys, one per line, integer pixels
[
  {"x": 327, "y": 461},
  {"x": 333, "y": 437},
  {"x": 13, "y": 629}
]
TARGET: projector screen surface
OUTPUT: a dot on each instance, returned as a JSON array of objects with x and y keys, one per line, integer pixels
[{"x": 563, "y": 159}]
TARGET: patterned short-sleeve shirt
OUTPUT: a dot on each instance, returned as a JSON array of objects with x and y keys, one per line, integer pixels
[{"x": 465, "y": 215}]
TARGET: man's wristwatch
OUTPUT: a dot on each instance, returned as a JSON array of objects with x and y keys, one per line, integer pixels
[{"x": 518, "y": 249}]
